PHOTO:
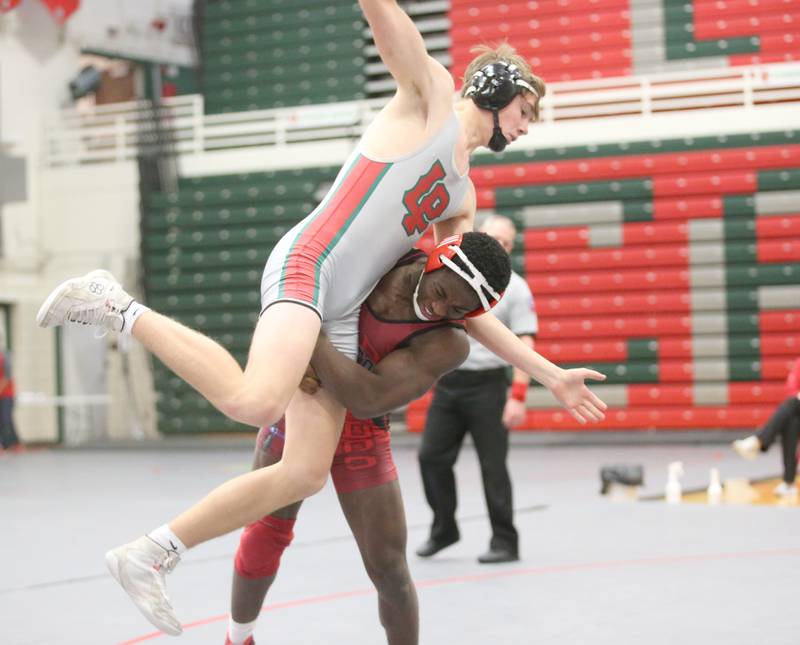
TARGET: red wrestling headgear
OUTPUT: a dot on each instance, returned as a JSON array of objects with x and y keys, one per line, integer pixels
[{"x": 442, "y": 256}]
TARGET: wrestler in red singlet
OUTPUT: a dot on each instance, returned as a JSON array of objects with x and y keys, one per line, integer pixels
[{"x": 363, "y": 457}]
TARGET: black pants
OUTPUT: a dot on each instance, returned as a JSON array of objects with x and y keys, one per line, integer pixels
[
  {"x": 785, "y": 421},
  {"x": 8, "y": 436},
  {"x": 468, "y": 401}
]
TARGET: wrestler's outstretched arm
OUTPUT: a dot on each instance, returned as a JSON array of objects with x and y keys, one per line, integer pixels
[
  {"x": 566, "y": 385},
  {"x": 401, "y": 47},
  {"x": 399, "y": 378}
]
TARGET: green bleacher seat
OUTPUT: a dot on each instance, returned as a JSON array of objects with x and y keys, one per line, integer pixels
[{"x": 271, "y": 55}]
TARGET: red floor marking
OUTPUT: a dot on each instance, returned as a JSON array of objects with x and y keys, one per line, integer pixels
[
  {"x": 313, "y": 600},
  {"x": 438, "y": 582}
]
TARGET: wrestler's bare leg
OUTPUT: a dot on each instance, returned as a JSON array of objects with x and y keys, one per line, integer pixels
[
  {"x": 247, "y": 594},
  {"x": 314, "y": 424},
  {"x": 377, "y": 519},
  {"x": 280, "y": 351}
]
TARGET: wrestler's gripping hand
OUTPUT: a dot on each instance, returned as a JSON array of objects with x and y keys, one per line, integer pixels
[
  {"x": 571, "y": 391},
  {"x": 310, "y": 383}
]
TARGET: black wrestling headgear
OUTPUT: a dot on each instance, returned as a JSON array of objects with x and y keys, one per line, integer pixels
[{"x": 493, "y": 87}]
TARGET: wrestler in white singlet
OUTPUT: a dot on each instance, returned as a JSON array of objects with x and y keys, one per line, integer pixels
[{"x": 374, "y": 212}]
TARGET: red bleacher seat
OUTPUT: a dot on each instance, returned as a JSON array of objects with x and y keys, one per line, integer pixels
[
  {"x": 776, "y": 368},
  {"x": 756, "y": 392},
  {"x": 485, "y": 197},
  {"x": 593, "y": 280},
  {"x": 749, "y": 59},
  {"x": 785, "y": 321},
  {"x": 641, "y": 395},
  {"x": 655, "y": 302},
  {"x": 730, "y": 182},
  {"x": 656, "y": 233},
  {"x": 671, "y": 417},
  {"x": 563, "y": 39},
  {"x": 780, "y": 344},
  {"x": 584, "y": 351},
  {"x": 562, "y": 238},
  {"x": 786, "y": 226},
  {"x": 629, "y": 325},
  {"x": 675, "y": 348},
  {"x": 596, "y": 260},
  {"x": 476, "y": 10},
  {"x": 666, "y": 208},
  {"x": 663, "y": 418},
  {"x": 738, "y": 26},
  {"x": 785, "y": 250},
  {"x": 670, "y": 166}
]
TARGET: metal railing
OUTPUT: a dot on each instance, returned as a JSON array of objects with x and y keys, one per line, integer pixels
[{"x": 122, "y": 131}]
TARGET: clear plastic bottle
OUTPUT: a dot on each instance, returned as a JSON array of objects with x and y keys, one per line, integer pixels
[
  {"x": 714, "y": 490},
  {"x": 673, "y": 492}
]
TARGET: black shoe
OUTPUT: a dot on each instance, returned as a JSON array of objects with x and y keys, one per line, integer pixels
[
  {"x": 431, "y": 547},
  {"x": 495, "y": 556}
]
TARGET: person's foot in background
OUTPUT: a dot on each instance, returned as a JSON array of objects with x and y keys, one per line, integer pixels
[
  {"x": 785, "y": 490},
  {"x": 748, "y": 448}
]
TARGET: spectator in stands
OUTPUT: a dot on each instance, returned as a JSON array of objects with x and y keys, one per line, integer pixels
[
  {"x": 784, "y": 422},
  {"x": 409, "y": 170},
  {"x": 9, "y": 441},
  {"x": 474, "y": 399}
]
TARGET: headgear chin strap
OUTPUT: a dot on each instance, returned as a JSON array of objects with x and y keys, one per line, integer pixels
[
  {"x": 442, "y": 256},
  {"x": 417, "y": 308},
  {"x": 498, "y": 142},
  {"x": 493, "y": 87}
]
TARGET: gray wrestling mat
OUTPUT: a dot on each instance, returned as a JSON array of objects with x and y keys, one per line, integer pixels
[{"x": 592, "y": 570}]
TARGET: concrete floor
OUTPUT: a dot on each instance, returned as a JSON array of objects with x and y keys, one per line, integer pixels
[{"x": 593, "y": 571}]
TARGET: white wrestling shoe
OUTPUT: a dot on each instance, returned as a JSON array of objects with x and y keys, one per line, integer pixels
[
  {"x": 94, "y": 299},
  {"x": 140, "y": 568},
  {"x": 749, "y": 447}
]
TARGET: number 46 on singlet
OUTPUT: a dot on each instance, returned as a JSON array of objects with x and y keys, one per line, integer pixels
[{"x": 426, "y": 201}]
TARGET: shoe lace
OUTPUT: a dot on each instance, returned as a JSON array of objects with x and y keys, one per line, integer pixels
[
  {"x": 95, "y": 314},
  {"x": 91, "y": 315},
  {"x": 170, "y": 561}
]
